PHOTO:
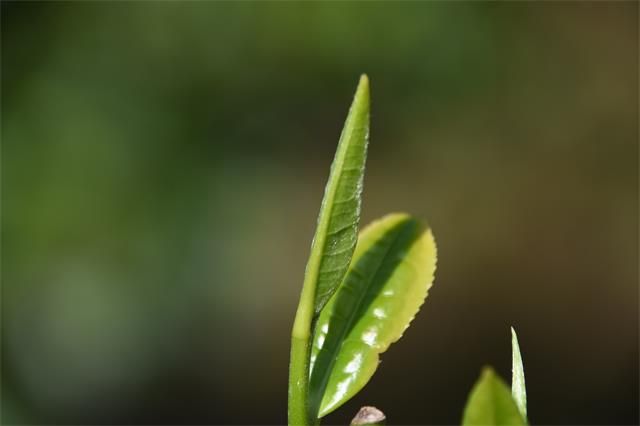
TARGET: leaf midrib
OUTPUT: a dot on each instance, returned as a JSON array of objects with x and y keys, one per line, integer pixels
[{"x": 329, "y": 202}]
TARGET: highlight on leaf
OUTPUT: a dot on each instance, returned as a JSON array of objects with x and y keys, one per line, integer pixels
[
  {"x": 337, "y": 229},
  {"x": 391, "y": 271},
  {"x": 490, "y": 403},
  {"x": 332, "y": 246},
  {"x": 518, "y": 388}
]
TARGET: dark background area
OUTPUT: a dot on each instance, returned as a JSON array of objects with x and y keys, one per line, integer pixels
[{"x": 163, "y": 165}]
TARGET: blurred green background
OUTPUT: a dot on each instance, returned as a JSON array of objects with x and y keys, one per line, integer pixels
[{"x": 163, "y": 165}]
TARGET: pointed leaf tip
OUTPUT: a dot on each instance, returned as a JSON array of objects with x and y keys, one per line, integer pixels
[
  {"x": 518, "y": 387},
  {"x": 362, "y": 92},
  {"x": 364, "y": 81},
  {"x": 333, "y": 243},
  {"x": 490, "y": 403},
  {"x": 337, "y": 229}
]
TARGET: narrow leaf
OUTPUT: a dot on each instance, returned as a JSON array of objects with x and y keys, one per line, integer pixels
[
  {"x": 332, "y": 247},
  {"x": 490, "y": 403},
  {"x": 518, "y": 388},
  {"x": 390, "y": 273},
  {"x": 337, "y": 227}
]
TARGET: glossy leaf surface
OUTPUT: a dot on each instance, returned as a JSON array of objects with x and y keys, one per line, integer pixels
[
  {"x": 337, "y": 229},
  {"x": 390, "y": 273},
  {"x": 518, "y": 388},
  {"x": 332, "y": 247},
  {"x": 491, "y": 403}
]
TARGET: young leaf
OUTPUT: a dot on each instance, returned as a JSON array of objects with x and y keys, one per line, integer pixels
[
  {"x": 490, "y": 403},
  {"x": 333, "y": 244},
  {"x": 518, "y": 389},
  {"x": 390, "y": 273},
  {"x": 337, "y": 228}
]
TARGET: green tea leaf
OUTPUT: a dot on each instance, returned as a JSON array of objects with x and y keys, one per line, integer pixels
[
  {"x": 518, "y": 388},
  {"x": 332, "y": 247},
  {"x": 490, "y": 403},
  {"x": 337, "y": 229},
  {"x": 390, "y": 273}
]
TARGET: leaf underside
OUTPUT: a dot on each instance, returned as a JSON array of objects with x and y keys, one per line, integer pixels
[
  {"x": 518, "y": 388},
  {"x": 490, "y": 403},
  {"x": 388, "y": 279}
]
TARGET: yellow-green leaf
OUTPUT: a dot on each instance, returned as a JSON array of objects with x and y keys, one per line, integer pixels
[
  {"x": 388, "y": 279},
  {"x": 490, "y": 403}
]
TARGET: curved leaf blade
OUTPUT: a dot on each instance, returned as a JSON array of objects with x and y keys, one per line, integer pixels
[
  {"x": 391, "y": 271},
  {"x": 518, "y": 387},
  {"x": 332, "y": 246},
  {"x": 337, "y": 228},
  {"x": 490, "y": 403}
]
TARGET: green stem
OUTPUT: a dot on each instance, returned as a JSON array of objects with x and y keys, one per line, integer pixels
[
  {"x": 299, "y": 383},
  {"x": 299, "y": 407}
]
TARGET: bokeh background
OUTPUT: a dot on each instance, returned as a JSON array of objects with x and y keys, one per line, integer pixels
[{"x": 163, "y": 165}]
